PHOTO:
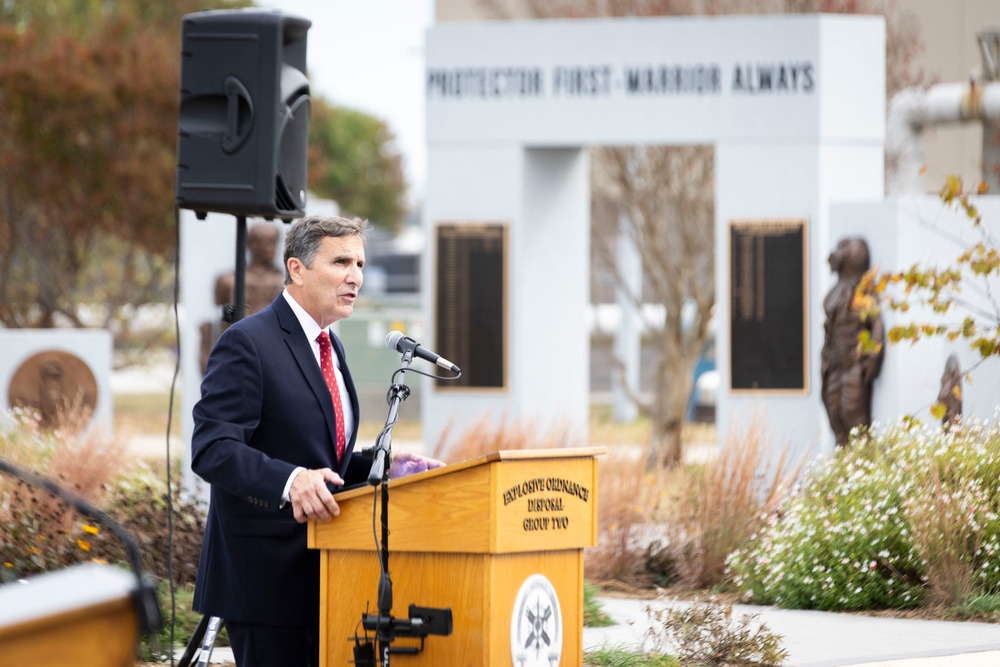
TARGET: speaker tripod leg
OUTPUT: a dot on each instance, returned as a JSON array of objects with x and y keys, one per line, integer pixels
[{"x": 202, "y": 641}]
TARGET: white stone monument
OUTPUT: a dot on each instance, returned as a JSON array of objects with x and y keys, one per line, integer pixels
[
  {"x": 794, "y": 106},
  {"x": 49, "y": 369}
]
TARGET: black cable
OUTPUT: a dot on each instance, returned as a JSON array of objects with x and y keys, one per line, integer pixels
[
  {"x": 381, "y": 566},
  {"x": 148, "y": 610},
  {"x": 414, "y": 370},
  {"x": 375, "y": 525},
  {"x": 170, "y": 420}
]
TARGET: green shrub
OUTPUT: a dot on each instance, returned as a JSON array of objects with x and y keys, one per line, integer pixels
[
  {"x": 593, "y": 615},
  {"x": 619, "y": 656},
  {"x": 138, "y": 501},
  {"x": 867, "y": 527},
  {"x": 981, "y": 608}
]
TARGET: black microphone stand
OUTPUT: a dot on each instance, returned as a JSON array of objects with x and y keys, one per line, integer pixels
[
  {"x": 379, "y": 474},
  {"x": 422, "y": 621},
  {"x": 398, "y": 392}
]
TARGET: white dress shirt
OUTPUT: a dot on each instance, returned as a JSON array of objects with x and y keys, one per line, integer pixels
[{"x": 312, "y": 330}]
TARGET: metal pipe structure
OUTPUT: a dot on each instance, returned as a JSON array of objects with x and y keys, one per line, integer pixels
[{"x": 913, "y": 110}]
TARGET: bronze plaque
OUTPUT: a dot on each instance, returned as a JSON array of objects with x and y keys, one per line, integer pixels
[
  {"x": 470, "y": 302},
  {"x": 56, "y": 383},
  {"x": 768, "y": 327}
]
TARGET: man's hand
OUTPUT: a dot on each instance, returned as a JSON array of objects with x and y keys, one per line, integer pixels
[
  {"x": 310, "y": 498},
  {"x": 408, "y": 463}
]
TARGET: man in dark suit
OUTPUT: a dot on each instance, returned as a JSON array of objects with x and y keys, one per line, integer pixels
[{"x": 277, "y": 420}]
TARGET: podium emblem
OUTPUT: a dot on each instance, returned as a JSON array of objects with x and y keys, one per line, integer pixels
[{"x": 536, "y": 625}]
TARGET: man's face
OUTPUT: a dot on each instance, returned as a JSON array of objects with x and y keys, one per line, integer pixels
[{"x": 328, "y": 289}]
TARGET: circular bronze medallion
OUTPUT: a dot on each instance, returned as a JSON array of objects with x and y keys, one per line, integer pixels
[{"x": 54, "y": 382}]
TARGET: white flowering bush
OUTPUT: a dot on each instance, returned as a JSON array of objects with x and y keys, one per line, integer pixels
[{"x": 910, "y": 515}]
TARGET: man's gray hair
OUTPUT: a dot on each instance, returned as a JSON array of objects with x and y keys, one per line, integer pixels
[{"x": 303, "y": 238}]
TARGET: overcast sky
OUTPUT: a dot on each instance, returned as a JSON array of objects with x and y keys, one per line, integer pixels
[{"x": 369, "y": 55}]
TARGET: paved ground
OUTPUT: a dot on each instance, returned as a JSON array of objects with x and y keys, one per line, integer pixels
[
  {"x": 818, "y": 639},
  {"x": 823, "y": 639}
]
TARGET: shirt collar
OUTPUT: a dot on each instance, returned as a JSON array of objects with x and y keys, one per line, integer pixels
[{"x": 309, "y": 326}]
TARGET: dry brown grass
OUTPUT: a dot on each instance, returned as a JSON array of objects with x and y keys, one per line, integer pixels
[
  {"x": 718, "y": 505},
  {"x": 629, "y": 496},
  {"x": 701, "y": 512},
  {"x": 39, "y": 532},
  {"x": 675, "y": 525},
  {"x": 84, "y": 462},
  {"x": 78, "y": 455},
  {"x": 487, "y": 436},
  {"x": 946, "y": 531},
  {"x": 631, "y": 502}
]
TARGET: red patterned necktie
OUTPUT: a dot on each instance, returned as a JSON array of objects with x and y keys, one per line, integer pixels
[{"x": 326, "y": 363}]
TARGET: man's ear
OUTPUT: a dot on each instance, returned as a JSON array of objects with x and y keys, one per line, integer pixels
[{"x": 295, "y": 267}]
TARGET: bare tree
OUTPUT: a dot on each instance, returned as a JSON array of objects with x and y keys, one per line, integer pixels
[{"x": 664, "y": 195}]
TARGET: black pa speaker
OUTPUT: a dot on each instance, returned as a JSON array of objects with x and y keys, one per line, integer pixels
[{"x": 244, "y": 113}]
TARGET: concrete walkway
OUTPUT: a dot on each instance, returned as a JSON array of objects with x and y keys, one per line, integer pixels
[{"x": 825, "y": 639}]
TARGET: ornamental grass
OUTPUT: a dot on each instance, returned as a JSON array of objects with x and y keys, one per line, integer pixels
[
  {"x": 628, "y": 495},
  {"x": 38, "y": 532},
  {"x": 718, "y": 505}
]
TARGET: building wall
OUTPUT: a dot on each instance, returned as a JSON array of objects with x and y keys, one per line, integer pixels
[{"x": 951, "y": 53}]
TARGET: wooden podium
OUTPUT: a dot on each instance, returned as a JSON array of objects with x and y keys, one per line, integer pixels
[
  {"x": 498, "y": 539},
  {"x": 83, "y": 616}
]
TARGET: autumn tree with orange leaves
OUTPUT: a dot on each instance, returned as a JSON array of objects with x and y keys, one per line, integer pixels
[{"x": 88, "y": 139}]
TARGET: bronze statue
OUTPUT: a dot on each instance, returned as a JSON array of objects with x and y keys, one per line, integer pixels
[
  {"x": 263, "y": 282},
  {"x": 951, "y": 392},
  {"x": 847, "y": 372}
]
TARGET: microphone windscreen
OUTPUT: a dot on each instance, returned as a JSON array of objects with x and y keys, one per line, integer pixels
[{"x": 392, "y": 340}]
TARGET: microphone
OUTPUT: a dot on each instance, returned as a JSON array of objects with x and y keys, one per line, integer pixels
[{"x": 395, "y": 340}]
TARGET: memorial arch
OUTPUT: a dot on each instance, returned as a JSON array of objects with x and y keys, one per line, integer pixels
[{"x": 795, "y": 109}]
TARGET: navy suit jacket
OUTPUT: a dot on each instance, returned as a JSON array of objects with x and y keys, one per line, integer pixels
[{"x": 264, "y": 410}]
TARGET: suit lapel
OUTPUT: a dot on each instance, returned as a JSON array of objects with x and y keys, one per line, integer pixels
[{"x": 301, "y": 350}]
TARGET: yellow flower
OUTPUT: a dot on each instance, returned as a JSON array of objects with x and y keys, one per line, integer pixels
[
  {"x": 34, "y": 550},
  {"x": 93, "y": 530},
  {"x": 83, "y": 544},
  {"x": 8, "y": 564},
  {"x": 99, "y": 561}
]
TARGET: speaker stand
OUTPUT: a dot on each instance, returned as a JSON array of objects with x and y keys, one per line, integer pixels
[
  {"x": 240, "y": 286},
  {"x": 203, "y": 639}
]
